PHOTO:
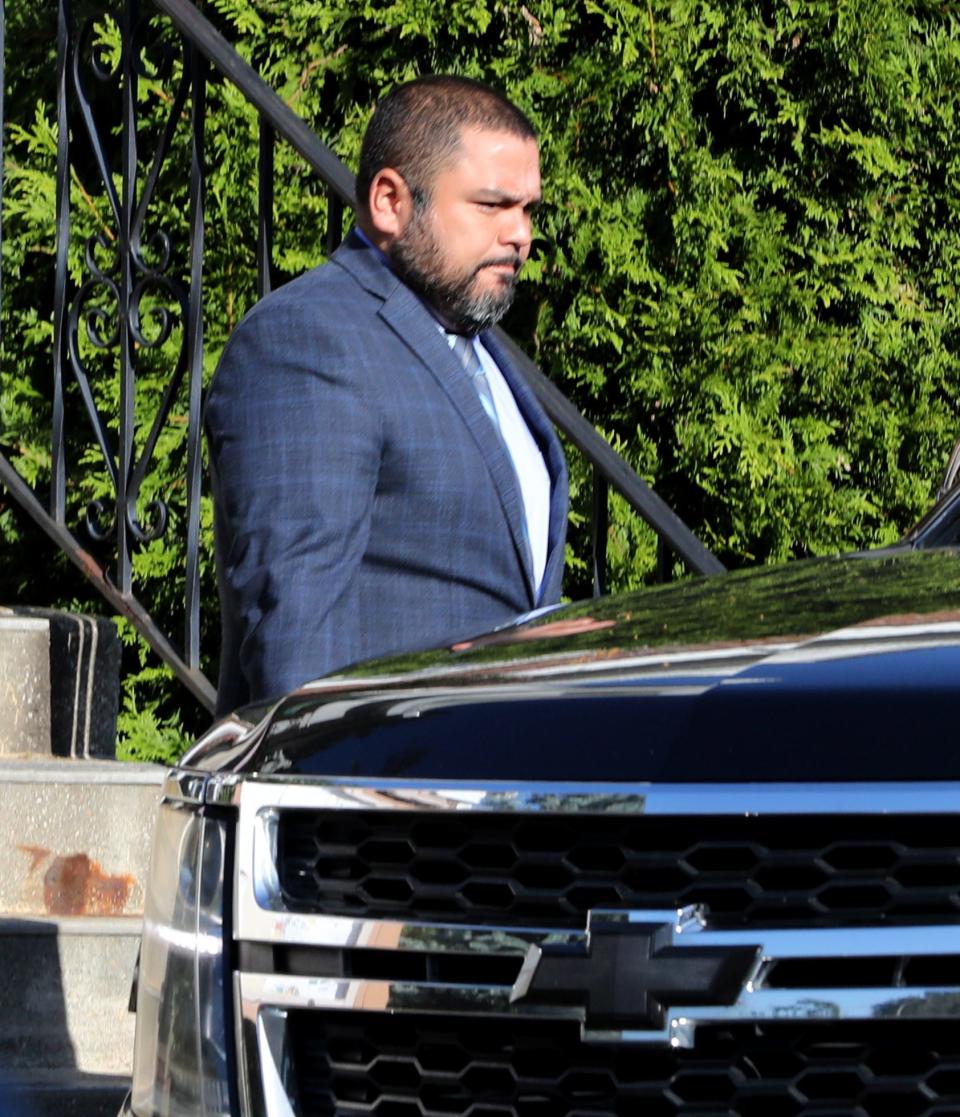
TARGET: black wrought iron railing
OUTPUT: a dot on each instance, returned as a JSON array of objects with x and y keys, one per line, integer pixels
[{"x": 133, "y": 307}]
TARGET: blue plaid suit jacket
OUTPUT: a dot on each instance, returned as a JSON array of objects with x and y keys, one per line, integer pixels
[{"x": 363, "y": 503}]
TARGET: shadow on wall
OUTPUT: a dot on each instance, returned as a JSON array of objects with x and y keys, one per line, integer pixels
[
  {"x": 34, "y": 1037},
  {"x": 38, "y": 1071}
]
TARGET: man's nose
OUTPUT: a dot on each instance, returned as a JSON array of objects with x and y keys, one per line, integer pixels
[{"x": 517, "y": 230}]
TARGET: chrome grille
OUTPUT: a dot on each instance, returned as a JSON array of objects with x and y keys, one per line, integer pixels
[
  {"x": 547, "y": 871},
  {"x": 373, "y": 979},
  {"x": 362, "y": 1063}
]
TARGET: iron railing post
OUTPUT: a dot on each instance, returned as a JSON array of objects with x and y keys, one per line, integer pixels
[
  {"x": 3, "y": 54},
  {"x": 600, "y": 525},
  {"x": 334, "y": 222},
  {"x": 265, "y": 211},
  {"x": 126, "y": 501},
  {"x": 664, "y": 561},
  {"x": 194, "y": 344},
  {"x": 58, "y": 477}
]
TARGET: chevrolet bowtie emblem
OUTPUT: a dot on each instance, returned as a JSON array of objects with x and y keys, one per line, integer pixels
[{"x": 636, "y": 965}]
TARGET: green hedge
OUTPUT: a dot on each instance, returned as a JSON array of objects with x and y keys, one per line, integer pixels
[{"x": 745, "y": 270}]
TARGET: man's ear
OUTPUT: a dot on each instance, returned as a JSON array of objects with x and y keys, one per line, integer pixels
[{"x": 390, "y": 203}]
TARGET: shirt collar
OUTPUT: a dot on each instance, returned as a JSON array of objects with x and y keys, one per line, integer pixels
[{"x": 384, "y": 258}]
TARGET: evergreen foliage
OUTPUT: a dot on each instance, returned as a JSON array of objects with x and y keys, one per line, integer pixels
[{"x": 745, "y": 270}]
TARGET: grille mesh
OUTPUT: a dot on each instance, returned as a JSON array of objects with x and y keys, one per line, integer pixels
[
  {"x": 538, "y": 869},
  {"x": 363, "y": 1063}
]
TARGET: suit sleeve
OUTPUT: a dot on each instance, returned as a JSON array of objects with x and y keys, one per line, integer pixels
[{"x": 295, "y": 445}]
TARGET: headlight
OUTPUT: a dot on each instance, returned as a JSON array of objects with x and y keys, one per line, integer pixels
[{"x": 180, "y": 1052}]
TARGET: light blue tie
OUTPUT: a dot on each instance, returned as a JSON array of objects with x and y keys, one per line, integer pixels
[{"x": 466, "y": 351}]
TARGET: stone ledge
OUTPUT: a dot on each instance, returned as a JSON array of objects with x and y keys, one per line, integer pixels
[
  {"x": 59, "y": 683},
  {"x": 24, "y": 685},
  {"x": 62, "y": 926},
  {"x": 56, "y": 769}
]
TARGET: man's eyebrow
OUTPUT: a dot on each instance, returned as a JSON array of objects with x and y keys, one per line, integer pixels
[{"x": 501, "y": 197}]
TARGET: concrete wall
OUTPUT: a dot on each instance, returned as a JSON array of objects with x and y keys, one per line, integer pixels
[{"x": 74, "y": 843}]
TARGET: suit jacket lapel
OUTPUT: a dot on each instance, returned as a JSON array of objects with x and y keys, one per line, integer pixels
[{"x": 415, "y": 326}]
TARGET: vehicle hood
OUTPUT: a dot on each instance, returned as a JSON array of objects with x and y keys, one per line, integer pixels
[{"x": 830, "y": 669}]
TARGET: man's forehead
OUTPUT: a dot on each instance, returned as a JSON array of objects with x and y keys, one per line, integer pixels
[
  {"x": 493, "y": 153},
  {"x": 474, "y": 136}
]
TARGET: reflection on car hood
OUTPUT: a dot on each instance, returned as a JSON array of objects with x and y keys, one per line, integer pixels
[{"x": 822, "y": 670}]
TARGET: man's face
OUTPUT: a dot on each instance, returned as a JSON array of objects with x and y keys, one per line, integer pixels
[{"x": 463, "y": 251}]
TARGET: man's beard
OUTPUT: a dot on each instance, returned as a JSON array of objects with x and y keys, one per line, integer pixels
[{"x": 418, "y": 258}]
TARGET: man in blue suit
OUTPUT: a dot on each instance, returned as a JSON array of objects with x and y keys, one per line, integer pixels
[{"x": 384, "y": 480}]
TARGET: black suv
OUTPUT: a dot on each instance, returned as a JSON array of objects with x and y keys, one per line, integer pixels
[{"x": 694, "y": 850}]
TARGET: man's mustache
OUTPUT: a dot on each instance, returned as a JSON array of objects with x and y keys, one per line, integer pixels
[{"x": 512, "y": 261}]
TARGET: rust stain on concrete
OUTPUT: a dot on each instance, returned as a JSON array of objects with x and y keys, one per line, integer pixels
[
  {"x": 75, "y": 885},
  {"x": 36, "y": 855}
]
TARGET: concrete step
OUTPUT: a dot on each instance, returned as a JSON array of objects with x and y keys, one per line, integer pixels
[
  {"x": 64, "y": 994},
  {"x": 75, "y": 841}
]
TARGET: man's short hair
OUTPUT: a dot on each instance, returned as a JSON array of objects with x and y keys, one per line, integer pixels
[{"x": 416, "y": 129}]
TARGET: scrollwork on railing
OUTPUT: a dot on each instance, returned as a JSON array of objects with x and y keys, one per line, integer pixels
[
  {"x": 131, "y": 304},
  {"x": 102, "y": 330},
  {"x": 135, "y": 310}
]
